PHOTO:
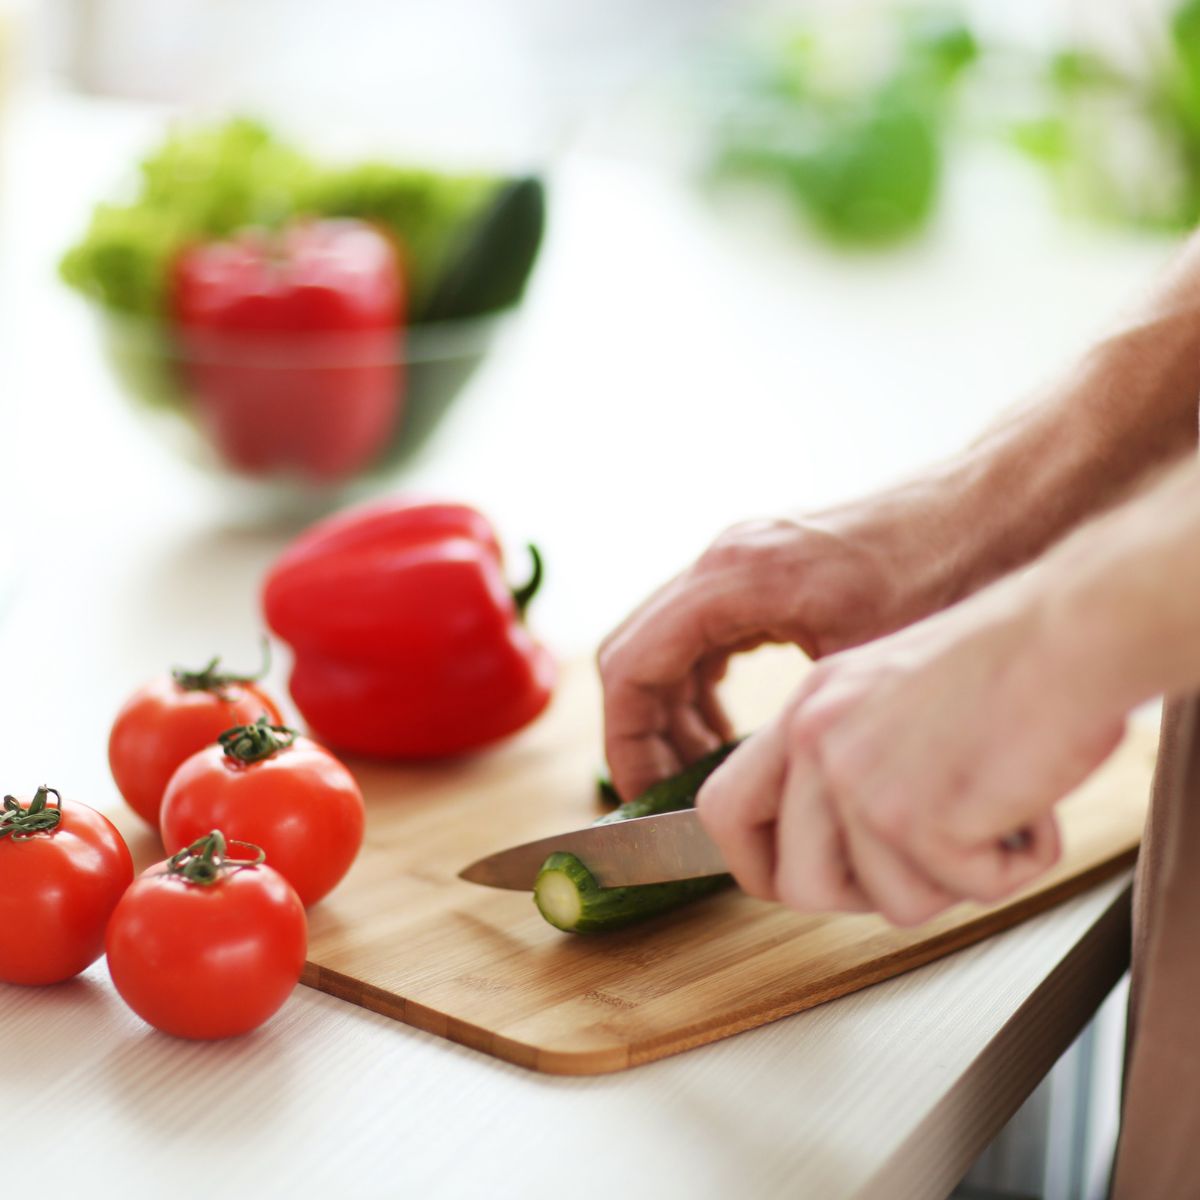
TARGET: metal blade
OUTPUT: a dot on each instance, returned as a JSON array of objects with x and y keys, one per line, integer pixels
[{"x": 620, "y": 854}]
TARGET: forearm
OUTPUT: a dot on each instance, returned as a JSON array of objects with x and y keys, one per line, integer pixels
[
  {"x": 1122, "y": 597},
  {"x": 1126, "y": 410}
]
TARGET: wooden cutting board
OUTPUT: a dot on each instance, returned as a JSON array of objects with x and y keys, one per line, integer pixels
[{"x": 405, "y": 937}]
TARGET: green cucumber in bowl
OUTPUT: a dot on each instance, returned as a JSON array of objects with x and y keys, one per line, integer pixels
[
  {"x": 568, "y": 896},
  {"x": 489, "y": 269}
]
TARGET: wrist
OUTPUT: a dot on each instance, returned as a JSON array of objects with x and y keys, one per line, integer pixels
[
  {"x": 1123, "y": 412},
  {"x": 1093, "y": 657},
  {"x": 911, "y": 542},
  {"x": 1117, "y": 599}
]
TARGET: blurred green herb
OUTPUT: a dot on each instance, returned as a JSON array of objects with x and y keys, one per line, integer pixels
[
  {"x": 861, "y": 150},
  {"x": 208, "y": 181},
  {"x": 1123, "y": 143},
  {"x": 862, "y": 158}
]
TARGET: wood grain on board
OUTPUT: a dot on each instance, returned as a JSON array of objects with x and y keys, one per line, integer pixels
[{"x": 405, "y": 937}]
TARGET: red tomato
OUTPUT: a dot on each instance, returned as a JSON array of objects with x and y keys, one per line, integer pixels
[
  {"x": 60, "y": 879},
  {"x": 208, "y": 956},
  {"x": 171, "y": 718},
  {"x": 295, "y": 800}
]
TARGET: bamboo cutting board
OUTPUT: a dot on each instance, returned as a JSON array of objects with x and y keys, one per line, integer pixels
[{"x": 405, "y": 937}]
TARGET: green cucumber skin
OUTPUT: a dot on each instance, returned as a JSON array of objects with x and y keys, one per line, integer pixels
[
  {"x": 491, "y": 268},
  {"x": 606, "y": 793},
  {"x": 673, "y": 794},
  {"x": 606, "y": 909}
]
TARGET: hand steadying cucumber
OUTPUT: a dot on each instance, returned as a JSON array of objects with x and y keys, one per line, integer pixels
[{"x": 570, "y": 899}]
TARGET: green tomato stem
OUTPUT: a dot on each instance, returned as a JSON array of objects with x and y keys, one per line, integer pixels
[
  {"x": 204, "y": 862},
  {"x": 209, "y": 679},
  {"x": 22, "y": 822},
  {"x": 254, "y": 743}
]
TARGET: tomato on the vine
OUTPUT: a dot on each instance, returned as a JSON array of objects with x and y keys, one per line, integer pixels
[
  {"x": 207, "y": 946},
  {"x": 171, "y": 718},
  {"x": 266, "y": 784},
  {"x": 63, "y": 867}
]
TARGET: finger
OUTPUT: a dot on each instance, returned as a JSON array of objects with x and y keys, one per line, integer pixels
[
  {"x": 738, "y": 806},
  {"x": 891, "y": 883},
  {"x": 1009, "y": 804},
  {"x": 989, "y": 872},
  {"x": 690, "y": 735},
  {"x": 709, "y": 673},
  {"x": 638, "y": 763},
  {"x": 1031, "y": 856},
  {"x": 637, "y": 739},
  {"x": 643, "y": 666},
  {"x": 812, "y": 872},
  {"x": 663, "y": 640},
  {"x": 648, "y": 662}
]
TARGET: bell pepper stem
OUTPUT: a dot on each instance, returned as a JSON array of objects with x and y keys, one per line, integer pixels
[{"x": 525, "y": 593}]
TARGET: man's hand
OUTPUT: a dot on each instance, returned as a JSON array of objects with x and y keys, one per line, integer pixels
[
  {"x": 769, "y": 581},
  {"x": 917, "y": 771}
]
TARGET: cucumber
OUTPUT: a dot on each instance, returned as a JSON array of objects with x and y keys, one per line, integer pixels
[
  {"x": 571, "y": 900},
  {"x": 568, "y": 896},
  {"x": 489, "y": 269},
  {"x": 606, "y": 793}
]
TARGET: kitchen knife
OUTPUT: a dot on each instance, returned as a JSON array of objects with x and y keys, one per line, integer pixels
[{"x": 620, "y": 854}]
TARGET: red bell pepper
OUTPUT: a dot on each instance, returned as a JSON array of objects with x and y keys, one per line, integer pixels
[
  {"x": 408, "y": 641},
  {"x": 290, "y": 344}
]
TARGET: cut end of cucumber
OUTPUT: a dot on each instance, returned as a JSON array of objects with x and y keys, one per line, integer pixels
[{"x": 557, "y": 896}]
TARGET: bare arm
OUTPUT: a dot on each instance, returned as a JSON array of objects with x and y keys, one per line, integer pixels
[
  {"x": 1118, "y": 417},
  {"x": 848, "y": 575}
]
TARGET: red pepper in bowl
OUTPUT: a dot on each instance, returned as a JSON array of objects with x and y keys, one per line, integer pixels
[
  {"x": 408, "y": 641},
  {"x": 290, "y": 342}
]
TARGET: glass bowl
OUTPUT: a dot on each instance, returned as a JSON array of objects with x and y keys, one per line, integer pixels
[{"x": 301, "y": 418}]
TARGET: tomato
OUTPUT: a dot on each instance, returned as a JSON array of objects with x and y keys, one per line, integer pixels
[
  {"x": 204, "y": 946},
  {"x": 267, "y": 785},
  {"x": 62, "y": 870},
  {"x": 171, "y": 718}
]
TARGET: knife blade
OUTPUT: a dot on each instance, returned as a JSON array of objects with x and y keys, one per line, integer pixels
[{"x": 619, "y": 854}]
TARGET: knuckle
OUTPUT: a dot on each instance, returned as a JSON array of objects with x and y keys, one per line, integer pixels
[
  {"x": 842, "y": 770},
  {"x": 609, "y": 657},
  {"x": 895, "y": 914},
  {"x": 794, "y": 894},
  {"x": 747, "y": 542},
  {"x": 1047, "y": 848},
  {"x": 908, "y": 912},
  {"x": 989, "y": 890},
  {"x": 799, "y": 728},
  {"x": 758, "y": 887},
  {"x": 604, "y": 654},
  {"x": 805, "y": 892},
  {"x": 805, "y": 727},
  {"x": 886, "y": 815}
]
